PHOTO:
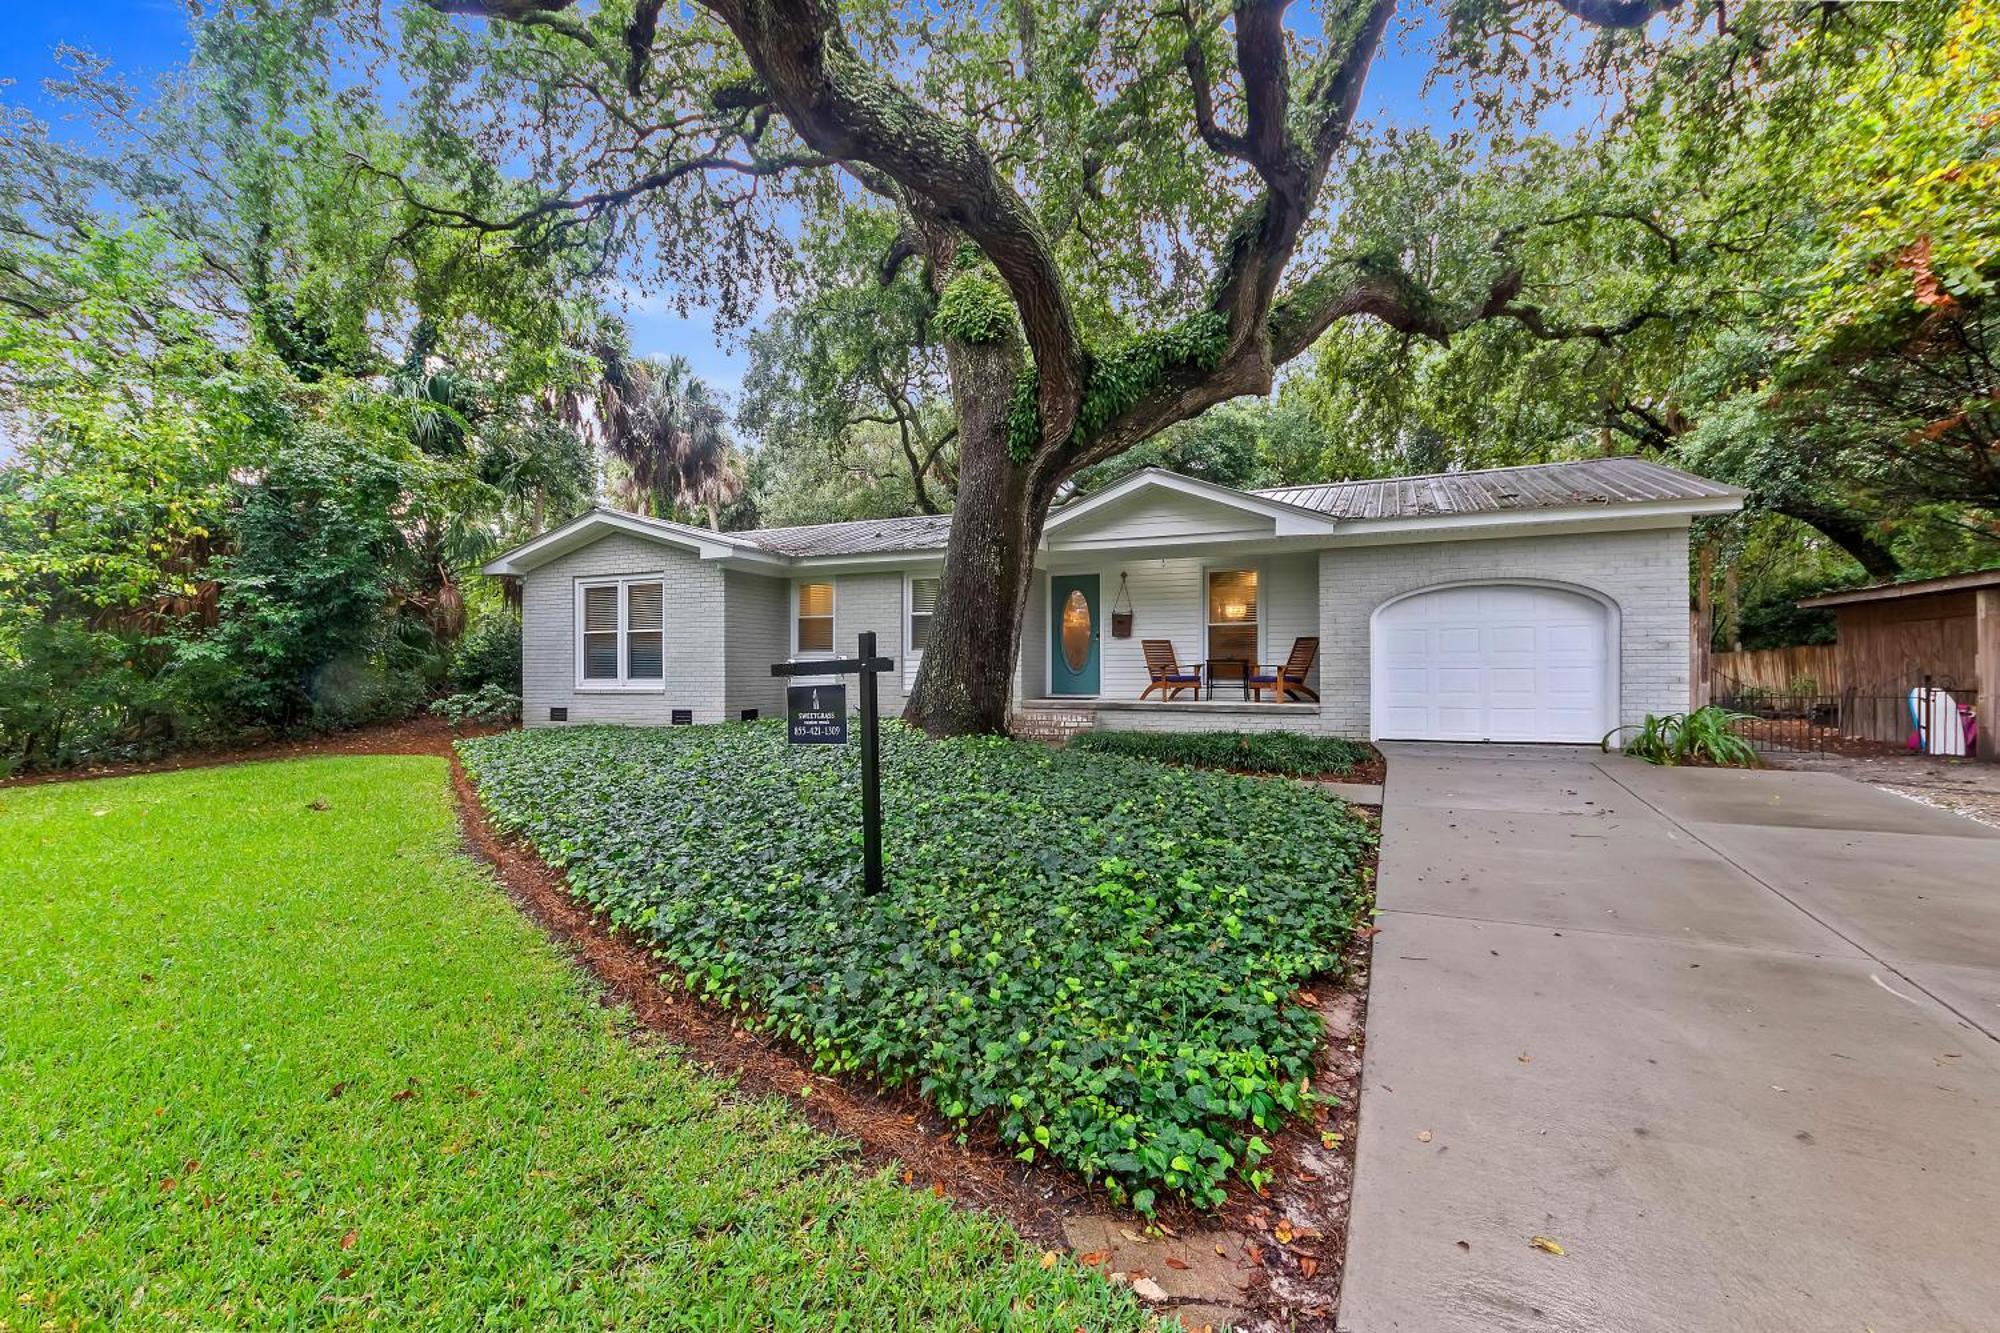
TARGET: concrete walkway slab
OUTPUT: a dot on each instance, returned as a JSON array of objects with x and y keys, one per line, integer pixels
[{"x": 1679, "y": 1050}]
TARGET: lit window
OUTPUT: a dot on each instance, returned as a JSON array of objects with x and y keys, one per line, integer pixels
[
  {"x": 923, "y": 604},
  {"x": 1232, "y": 614},
  {"x": 814, "y": 633}
]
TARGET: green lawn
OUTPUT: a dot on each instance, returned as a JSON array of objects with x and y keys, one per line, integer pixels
[
  {"x": 1096, "y": 958},
  {"x": 266, "y": 1064}
]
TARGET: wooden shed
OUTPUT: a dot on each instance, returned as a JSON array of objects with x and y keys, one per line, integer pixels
[{"x": 1893, "y": 636}]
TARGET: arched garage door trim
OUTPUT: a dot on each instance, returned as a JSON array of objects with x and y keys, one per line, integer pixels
[{"x": 1612, "y": 675}]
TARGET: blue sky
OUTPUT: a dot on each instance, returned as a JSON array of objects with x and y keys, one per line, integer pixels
[{"x": 143, "y": 38}]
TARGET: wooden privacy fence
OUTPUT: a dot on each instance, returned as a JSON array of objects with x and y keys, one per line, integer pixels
[{"x": 1812, "y": 668}]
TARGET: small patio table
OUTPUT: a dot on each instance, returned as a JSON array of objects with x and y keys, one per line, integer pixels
[{"x": 1229, "y": 670}]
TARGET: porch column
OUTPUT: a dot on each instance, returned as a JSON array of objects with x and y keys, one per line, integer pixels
[{"x": 1986, "y": 665}]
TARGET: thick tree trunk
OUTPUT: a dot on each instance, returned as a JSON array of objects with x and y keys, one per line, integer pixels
[{"x": 966, "y": 683}]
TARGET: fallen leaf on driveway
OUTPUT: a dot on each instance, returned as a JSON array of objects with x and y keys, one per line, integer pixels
[
  {"x": 1546, "y": 1245},
  {"x": 1423, "y": 1136},
  {"x": 1147, "y": 1289},
  {"x": 1179, "y": 1265},
  {"x": 1094, "y": 1258}
]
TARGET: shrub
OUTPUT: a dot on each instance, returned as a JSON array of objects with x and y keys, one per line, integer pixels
[
  {"x": 1094, "y": 957},
  {"x": 73, "y": 695},
  {"x": 488, "y": 703},
  {"x": 1708, "y": 734},
  {"x": 489, "y": 654},
  {"x": 1284, "y": 752}
]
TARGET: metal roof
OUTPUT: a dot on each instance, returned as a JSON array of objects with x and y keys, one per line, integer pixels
[
  {"x": 1595, "y": 481},
  {"x": 865, "y": 536},
  {"x": 1590, "y": 481}
]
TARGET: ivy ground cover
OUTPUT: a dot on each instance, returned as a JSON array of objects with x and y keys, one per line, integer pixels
[
  {"x": 1092, "y": 956},
  {"x": 274, "y": 1054}
]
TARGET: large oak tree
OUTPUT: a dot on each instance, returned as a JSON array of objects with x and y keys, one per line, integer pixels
[{"x": 1126, "y": 211}]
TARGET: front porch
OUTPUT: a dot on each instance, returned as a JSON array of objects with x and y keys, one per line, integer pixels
[{"x": 1057, "y": 719}]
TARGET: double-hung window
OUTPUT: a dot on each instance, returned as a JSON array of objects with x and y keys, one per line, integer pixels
[
  {"x": 621, "y": 633},
  {"x": 1232, "y": 614},
  {"x": 812, "y": 627},
  {"x": 923, "y": 605}
]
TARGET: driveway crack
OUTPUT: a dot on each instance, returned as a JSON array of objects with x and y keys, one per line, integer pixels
[{"x": 1974, "y": 1021}]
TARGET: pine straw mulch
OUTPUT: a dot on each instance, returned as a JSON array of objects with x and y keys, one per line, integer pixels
[{"x": 1268, "y": 1261}]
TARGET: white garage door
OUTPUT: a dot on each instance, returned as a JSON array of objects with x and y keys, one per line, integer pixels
[{"x": 1496, "y": 662}]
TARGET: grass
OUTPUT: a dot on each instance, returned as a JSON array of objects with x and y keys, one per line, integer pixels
[
  {"x": 1281, "y": 752},
  {"x": 1092, "y": 958},
  {"x": 269, "y": 1065}
]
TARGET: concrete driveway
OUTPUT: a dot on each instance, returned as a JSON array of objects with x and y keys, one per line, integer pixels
[{"x": 1731, "y": 1040}]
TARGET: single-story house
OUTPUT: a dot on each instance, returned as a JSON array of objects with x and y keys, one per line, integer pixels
[{"x": 1541, "y": 603}]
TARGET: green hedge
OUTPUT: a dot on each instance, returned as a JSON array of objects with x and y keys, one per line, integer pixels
[
  {"x": 1092, "y": 956},
  {"x": 1284, "y": 752}
]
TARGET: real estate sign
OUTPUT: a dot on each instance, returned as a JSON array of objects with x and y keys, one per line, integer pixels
[{"x": 816, "y": 714}]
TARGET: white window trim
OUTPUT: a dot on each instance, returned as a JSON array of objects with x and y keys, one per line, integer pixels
[
  {"x": 1263, "y": 604},
  {"x": 622, "y": 685},
  {"x": 912, "y": 657}
]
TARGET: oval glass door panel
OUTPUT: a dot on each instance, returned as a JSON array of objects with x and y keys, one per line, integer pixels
[{"x": 1076, "y": 630}]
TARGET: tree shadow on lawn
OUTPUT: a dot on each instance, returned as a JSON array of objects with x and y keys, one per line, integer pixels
[{"x": 1261, "y": 1261}]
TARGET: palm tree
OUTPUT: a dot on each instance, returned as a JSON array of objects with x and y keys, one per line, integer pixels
[{"x": 663, "y": 426}]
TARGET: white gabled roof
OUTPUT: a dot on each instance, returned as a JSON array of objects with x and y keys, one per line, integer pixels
[{"x": 600, "y": 522}]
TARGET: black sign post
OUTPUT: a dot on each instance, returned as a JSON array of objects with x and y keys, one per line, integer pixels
[{"x": 817, "y": 715}]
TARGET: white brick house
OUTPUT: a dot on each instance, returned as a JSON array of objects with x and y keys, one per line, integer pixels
[{"x": 1544, "y": 603}]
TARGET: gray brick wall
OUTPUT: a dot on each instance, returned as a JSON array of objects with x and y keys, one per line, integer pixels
[
  {"x": 755, "y": 635},
  {"x": 693, "y": 639},
  {"x": 1644, "y": 572},
  {"x": 872, "y": 601}
]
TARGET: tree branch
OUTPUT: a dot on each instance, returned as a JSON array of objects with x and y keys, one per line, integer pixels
[
  {"x": 1618, "y": 13},
  {"x": 546, "y": 14},
  {"x": 639, "y": 42},
  {"x": 844, "y": 109},
  {"x": 1212, "y": 133}
]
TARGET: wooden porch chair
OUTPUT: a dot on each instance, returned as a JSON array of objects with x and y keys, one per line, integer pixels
[
  {"x": 1169, "y": 677},
  {"x": 1287, "y": 677}
]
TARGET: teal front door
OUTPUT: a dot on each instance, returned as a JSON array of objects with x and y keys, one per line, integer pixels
[{"x": 1073, "y": 634}]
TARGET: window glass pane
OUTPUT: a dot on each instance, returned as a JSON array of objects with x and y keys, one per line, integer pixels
[
  {"x": 1232, "y": 597},
  {"x": 642, "y": 652},
  {"x": 815, "y": 634},
  {"x": 600, "y": 657},
  {"x": 1237, "y": 641},
  {"x": 923, "y": 601},
  {"x": 600, "y": 609},
  {"x": 1232, "y": 614},
  {"x": 643, "y": 606},
  {"x": 815, "y": 599}
]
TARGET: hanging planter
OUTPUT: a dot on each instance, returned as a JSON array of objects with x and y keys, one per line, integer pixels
[{"x": 1121, "y": 621}]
